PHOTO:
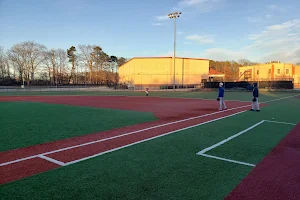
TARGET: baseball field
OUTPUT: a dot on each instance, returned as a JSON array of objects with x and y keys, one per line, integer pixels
[{"x": 169, "y": 145}]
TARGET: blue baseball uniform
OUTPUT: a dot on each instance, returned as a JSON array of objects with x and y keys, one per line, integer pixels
[
  {"x": 221, "y": 92},
  {"x": 221, "y": 97}
]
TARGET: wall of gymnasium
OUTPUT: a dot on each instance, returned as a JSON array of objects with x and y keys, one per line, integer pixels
[{"x": 160, "y": 71}]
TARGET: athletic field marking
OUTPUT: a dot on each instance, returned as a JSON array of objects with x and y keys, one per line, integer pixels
[
  {"x": 52, "y": 160},
  {"x": 148, "y": 139},
  {"x": 96, "y": 141},
  {"x": 229, "y": 138},
  {"x": 125, "y": 134},
  {"x": 202, "y": 152},
  {"x": 71, "y": 147},
  {"x": 227, "y": 160},
  {"x": 287, "y": 123},
  {"x": 281, "y": 98}
]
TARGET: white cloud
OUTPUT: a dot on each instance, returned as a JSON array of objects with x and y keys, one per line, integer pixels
[
  {"x": 156, "y": 24},
  {"x": 280, "y": 41},
  {"x": 202, "y": 39},
  {"x": 162, "y": 18},
  {"x": 224, "y": 54},
  {"x": 180, "y": 32},
  {"x": 268, "y": 16},
  {"x": 202, "y": 5},
  {"x": 254, "y": 19},
  {"x": 274, "y": 7}
]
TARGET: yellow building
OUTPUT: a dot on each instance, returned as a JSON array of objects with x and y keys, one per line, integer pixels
[
  {"x": 270, "y": 71},
  {"x": 155, "y": 71}
]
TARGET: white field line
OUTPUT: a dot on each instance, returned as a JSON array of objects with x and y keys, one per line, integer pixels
[
  {"x": 71, "y": 147},
  {"x": 227, "y": 160},
  {"x": 229, "y": 138},
  {"x": 202, "y": 153},
  {"x": 38, "y": 155},
  {"x": 287, "y": 123},
  {"x": 281, "y": 98},
  {"x": 52, "y": 160},
  {"x": 18, "y": 160},
  {"x": 148, "y": 139},
  {"x": 133, "y": 132}
]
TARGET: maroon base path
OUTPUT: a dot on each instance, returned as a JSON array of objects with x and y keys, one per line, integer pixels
[
  {"x": 277, "y": 177},
  {"x": 25, "y": 161}
]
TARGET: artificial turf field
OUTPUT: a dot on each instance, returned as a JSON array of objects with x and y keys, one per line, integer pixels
[{"x": 162, "y": 168}]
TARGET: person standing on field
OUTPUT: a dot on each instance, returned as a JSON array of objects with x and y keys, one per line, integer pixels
[
  {"x": 147, "y": 91},
  {"x": 221, "y": 97},
  {"x": 255, "y": 104}
]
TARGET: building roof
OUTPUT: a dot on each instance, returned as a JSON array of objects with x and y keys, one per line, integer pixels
[
  {"x": 163, "y": 57},
  {"x": 259, "y": 64}
]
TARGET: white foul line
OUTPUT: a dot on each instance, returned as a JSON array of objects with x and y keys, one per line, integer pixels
[
  {"x": 52, "y": 160},
  {"x": 229, "y": 138},
  {"x": 228, "y": 160},
  {"x": 148, "y": 139},
  {"x": 96, "y": 141},
  {"x": 22, "y": 159},
  {"x": 118, "y": 136}
]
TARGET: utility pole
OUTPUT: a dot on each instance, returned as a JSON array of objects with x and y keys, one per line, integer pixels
[{"x": 174, "y": 15}]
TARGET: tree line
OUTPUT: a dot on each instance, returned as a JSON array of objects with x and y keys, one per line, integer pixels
[
  {"x": 33, "y": 63},
  {"x": 230, "y": 68}
]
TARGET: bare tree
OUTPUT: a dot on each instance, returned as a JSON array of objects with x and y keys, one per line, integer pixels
[
  {"x": 3, "y": 62},
  {"x": 19, "y": 59},
  {"x": 62, "y": 65},
  {"x": 88, "y": 57},
  {"x": 35, "y": 55}
]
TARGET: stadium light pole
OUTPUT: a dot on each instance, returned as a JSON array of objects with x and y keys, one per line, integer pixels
[{"x": 174, "y": 15}]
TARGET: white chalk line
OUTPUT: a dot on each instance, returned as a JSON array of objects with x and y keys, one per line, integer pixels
[
  {"x": 63, "y": 149},
  {"x": 228, "y": 139},
  {"x": 52, "y": 160},
  {"x": 151, "y": 138},
  {"x": 287, "y": 123},
  {"x": 84, "y": 144},
  {"x": 202, "y": 152},
  {"x": 227, "y": 160},
  {"x": 118, "y": 136}
]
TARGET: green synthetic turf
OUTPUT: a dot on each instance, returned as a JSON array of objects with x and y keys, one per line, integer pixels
[
  {"x": 25, "y": 124},
  {"x": 163, "y": 168},
  {"x": 243, "y": 96},
  {"x": 252, "y": 146}
]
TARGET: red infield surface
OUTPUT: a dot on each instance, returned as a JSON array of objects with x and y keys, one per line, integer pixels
[{"x": 173, "y": 115}]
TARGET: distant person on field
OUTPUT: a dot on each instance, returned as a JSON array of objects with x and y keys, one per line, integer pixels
[
  {"x": 147, "y": 91},
  {"x": 255, "y": 104},
  {"x": 221, "y": 97}
]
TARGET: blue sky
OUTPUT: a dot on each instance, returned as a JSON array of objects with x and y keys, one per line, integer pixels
[{"x": 259, "y": 30}]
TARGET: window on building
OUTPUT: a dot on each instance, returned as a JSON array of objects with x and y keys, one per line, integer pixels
[
  {"x": 278, "y": 71},
  {"x": 257, "y": 72},
  {"x": 270, "y": 71},
  {"x": 287, "y": 71}
]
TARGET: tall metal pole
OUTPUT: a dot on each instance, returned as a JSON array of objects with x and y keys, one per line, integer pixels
[
  {"x": 174, "y": 80},
  {"x": 174, "y": 15}
]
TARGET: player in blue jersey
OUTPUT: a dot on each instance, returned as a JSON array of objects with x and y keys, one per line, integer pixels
[
  {"x": 255, "y": 93},
  {"x": 221, "y": 97}
]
